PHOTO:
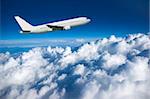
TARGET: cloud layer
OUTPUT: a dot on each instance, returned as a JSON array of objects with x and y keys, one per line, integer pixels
[
  {"x": 23, "y": 43},
  {"x": 102, "y": 69}
]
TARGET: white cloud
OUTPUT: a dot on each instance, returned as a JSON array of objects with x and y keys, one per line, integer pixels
[
  {"x": 102, "y": 69},
  {"x": 138, "y": 69},
  {"x": 113, "y": 61},
  {"x": 4, "y": 57},
  {"x": 62, "y": 77},
  {"x": 79, "y": 70},
  {"x": 85, "y": 52},
  {"x": 91, "y": 90}
]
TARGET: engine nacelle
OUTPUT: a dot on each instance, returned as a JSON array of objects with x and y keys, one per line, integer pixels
[{"x": 67, "y": 27}]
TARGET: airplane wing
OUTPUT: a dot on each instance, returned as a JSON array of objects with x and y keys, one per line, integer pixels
[
  {"x": 67, "y": 24},
  {"x": 54, "y": 27}
]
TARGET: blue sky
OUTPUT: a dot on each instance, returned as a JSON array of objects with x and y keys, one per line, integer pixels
[{"x": 117, "y": 17}]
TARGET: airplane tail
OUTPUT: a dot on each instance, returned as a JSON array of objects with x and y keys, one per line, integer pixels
[{"x": 25, "y": 26}]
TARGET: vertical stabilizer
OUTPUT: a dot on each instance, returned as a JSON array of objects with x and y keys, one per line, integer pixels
[{"x": 25, "y": 26}]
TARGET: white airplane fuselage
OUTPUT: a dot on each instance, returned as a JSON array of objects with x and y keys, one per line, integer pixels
[{"x": 60, "y": 25}]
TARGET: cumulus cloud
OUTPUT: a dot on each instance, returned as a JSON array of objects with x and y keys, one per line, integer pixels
[
  {"x": 102, "y": 69},
  {"x": 113, "y": 61},
  {"x": 79, "y": 70}
]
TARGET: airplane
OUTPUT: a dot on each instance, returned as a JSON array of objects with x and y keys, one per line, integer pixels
[{"x": 60, "y": 25}]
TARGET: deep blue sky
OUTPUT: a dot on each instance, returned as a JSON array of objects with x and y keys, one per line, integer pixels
[{"x": 118, "y": 17}]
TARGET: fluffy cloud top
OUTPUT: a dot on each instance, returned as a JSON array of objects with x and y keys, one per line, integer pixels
[{"x": 102, "y": 69}]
